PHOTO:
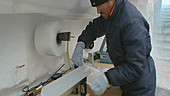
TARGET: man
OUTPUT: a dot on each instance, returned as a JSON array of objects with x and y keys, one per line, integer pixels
[{"x": 128, "y": 44}]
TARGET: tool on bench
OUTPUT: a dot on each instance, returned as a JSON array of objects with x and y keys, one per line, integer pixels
[{"x": 37, "y": 89}]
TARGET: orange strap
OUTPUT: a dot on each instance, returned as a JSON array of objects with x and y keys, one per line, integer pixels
[{"x": 113, "y": 9}]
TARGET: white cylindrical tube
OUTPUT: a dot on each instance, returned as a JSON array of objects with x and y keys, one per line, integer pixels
[{"x": 46, "y": 39}]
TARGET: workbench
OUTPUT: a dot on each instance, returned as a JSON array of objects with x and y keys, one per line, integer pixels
[{"x": 112, "y": 91}]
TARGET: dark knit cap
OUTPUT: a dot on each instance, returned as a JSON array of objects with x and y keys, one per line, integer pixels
[{"x": 95, "y": 3}]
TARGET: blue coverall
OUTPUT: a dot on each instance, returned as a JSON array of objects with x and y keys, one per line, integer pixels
[{"x": 129, "y": 46}]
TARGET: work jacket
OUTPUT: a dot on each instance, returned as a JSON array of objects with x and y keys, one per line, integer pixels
[{"x": 129, "y": 47}]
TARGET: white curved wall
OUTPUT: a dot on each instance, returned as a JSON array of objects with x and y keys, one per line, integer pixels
[
  {"x": 18, "y": 20},
  {"x": 73, "y": 9},
  {"x": 18, "y": 48}
]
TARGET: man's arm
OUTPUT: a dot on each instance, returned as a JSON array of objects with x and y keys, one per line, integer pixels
[{"x": 92, "y": 31}]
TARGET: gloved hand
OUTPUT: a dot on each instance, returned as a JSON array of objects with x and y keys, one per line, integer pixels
[
  {"x": 77, "y": 56},
  {"x": 99, "y": 84}
]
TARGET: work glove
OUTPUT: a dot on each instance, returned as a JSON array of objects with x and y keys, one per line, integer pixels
[
  {"x": 98, "y": 82},
  {"x": 77, "y": 57}
]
